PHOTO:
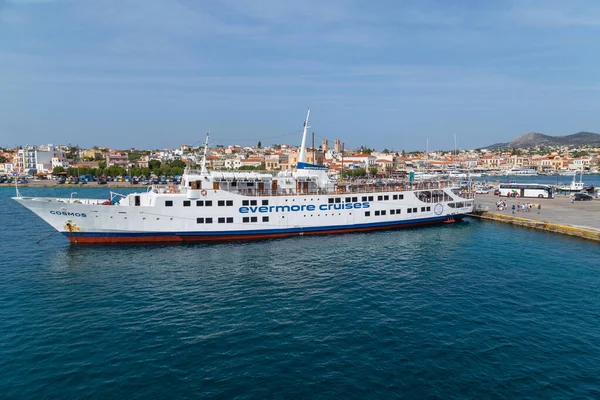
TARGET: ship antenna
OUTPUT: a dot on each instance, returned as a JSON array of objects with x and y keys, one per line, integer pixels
[
  {"x": 204, "y": 172},
  {"x": 302, "y": 157}
]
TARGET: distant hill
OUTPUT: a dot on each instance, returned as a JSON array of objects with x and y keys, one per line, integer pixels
[{"x": 533, "y": 139}]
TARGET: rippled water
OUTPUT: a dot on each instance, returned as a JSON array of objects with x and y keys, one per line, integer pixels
[{"x": 468, "y": 310}]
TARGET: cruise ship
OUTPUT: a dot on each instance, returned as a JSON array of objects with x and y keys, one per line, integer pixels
[{"x": 212, "y": 206}]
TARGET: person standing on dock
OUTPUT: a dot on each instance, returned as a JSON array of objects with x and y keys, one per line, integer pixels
[
  {"x": 539, "y": 207},
  {"x": 513, "y": 208}
]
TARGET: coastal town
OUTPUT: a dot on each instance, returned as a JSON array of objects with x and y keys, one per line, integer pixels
[{"x": 49, "y": 161}]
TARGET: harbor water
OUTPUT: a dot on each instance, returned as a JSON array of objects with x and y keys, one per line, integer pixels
[{"x": 466, "y": 310}]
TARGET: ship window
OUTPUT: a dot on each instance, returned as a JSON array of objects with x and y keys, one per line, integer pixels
[
  {"x": 395, "y": 197},
  {"x": 367, "y": 213},
  {"x": 199, "y": 220},
  {"x": 338, "y": 199},
  {"x": 168, "y": 203},
  {"x": 266, "y": 202},
  {"x": 252, "y": 202},
  {"x": 208, "y": 203},
  {"x": 221, "y": 203},
  {"x": 230, "y": 220},
  {"x": 370, "y": 198},
  {"x": 208, "y": 220},
  {"x": 348, "y": 199},
  {"x": 250, "y": 184},
  {"x": 246, "y": 219},
  {"x": 415, "y": 209},
  {"x": 400, "y": 197},
  {"x": 382, "y": 212},
  {"x": 253, "y": 219},
  {"x": 187, "y": 203},
  {"x": 409, "y": 210},
  {"x": 386, "y": 197},
  {"x": 380, "y": 198},
  {"x": 234, "y": 183},
  {"x": 428, "y": 208},
  {"x": 398, "y": 210},
  {"x": 245, "y": 203},
  {"x": 377, "y": 213},
  {"x": 229, "y": 203},
  {"x": 422, "y": 209},
  {"x": 137, "y": 200},
  {"x": 330, "y": 200},
  {"x": 266, "y": 219},
  {"x": 354, "y": 199},
  {"x": 199, "y": 203},
  {"x": 221, "y": 220},
  {"x": 392, "y": 212},
  {"x": 364, "y": 198}
]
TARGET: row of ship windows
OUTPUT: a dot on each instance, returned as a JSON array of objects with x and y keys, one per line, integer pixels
[
  {"x": 202, "y": 203},
  {"x": 228, "y": 220},
  {"x": 397, "y": 211},
  {"x": 333, "y": 200}
]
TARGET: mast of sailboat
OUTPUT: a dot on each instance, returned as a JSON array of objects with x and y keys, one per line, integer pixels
[
  {"x": 204, "y": 171},
  {"x": 455, "y": 150},
  {"x": 302, "y": 156},
  {"x": 427, "y": 155}
]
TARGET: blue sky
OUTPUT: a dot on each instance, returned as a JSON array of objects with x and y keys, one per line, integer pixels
[{"x": 159, "y": 73}]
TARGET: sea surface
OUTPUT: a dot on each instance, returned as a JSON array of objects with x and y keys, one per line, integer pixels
[{"x": 469, "y": 310}]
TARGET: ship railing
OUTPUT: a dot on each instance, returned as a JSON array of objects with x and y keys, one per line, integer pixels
[{"x": 357, "y": 188}]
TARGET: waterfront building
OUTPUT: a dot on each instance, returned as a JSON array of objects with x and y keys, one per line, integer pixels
[{"x": 118, "y": 159}]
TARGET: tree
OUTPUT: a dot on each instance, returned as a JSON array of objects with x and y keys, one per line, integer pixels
[
  {"x": 259, "y": 145},
  {"x": 102, "y": 164},
  {"x": 154, "y": 164},
  {"x": 386, "y": 151},
  {"x": 373, "y": 170},
  {"x": 176, "y": 164},
  {"x": 359, "y": 172},
  {"x": 73, "y": 153},
  {"x": 365, "y": 150},
  {"x": 57, "y": 170},
  {"x": 3, "y": 159}
]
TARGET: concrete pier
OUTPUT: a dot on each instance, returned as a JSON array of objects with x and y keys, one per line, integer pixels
[{"x": 559, "y": 215}]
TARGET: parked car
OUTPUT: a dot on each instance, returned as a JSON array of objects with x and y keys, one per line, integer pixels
[
  {"x": 482, "y": 190},
  {"x": 582, "y": 197},
  {"x": 101, "y": 181}
]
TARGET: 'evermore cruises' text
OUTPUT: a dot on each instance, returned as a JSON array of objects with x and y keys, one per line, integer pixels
[{"x": 303, "y": 207}]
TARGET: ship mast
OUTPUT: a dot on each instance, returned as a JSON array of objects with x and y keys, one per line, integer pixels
[
  {"x": 204, "y": 171},
  {"x": 302, "y": 156}
]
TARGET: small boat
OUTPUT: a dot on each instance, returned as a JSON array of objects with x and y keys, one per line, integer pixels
[
  {"x": 520, "y": 171},
  {"x": 576, "y": 186}
]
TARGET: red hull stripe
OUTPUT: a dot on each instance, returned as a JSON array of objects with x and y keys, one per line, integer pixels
[{"x": 82, "y": 238}]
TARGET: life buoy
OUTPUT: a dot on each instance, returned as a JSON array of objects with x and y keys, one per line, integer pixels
[
  {"x": 203, "y": 192},
  {"x": 172, "y": 190}
]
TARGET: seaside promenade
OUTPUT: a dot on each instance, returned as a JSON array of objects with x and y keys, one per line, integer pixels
[{"x": 560, "y": 215}]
